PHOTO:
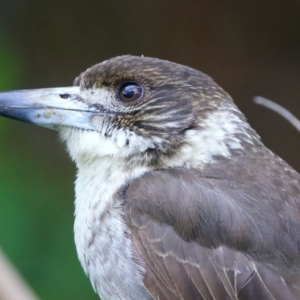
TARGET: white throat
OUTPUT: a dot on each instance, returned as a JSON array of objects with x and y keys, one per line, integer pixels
[{"x": 101, "y": 236}]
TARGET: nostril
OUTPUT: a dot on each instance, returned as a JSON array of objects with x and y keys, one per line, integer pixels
[{"x": 64, "y": 96}]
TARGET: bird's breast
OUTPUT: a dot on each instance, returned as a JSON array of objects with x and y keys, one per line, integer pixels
[{"x": 102, "y": 238}]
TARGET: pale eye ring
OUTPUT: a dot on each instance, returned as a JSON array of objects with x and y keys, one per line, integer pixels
[{"x": 131, "y": 91}]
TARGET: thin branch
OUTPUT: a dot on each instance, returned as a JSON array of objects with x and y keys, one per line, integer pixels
[
  {"x": 279, "y": 109},
  {"x": 12, "y": 285}
]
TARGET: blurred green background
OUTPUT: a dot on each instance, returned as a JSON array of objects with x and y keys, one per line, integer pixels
[{"x": 249, "y": 47}]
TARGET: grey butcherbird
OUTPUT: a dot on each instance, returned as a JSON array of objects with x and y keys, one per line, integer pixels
[{"x": 176, "y": 196}]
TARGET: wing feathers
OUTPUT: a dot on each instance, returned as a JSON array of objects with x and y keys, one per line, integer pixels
[{"x": 192, "y": 241}]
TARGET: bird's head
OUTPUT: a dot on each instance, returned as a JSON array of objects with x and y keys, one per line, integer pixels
[{"x": 138, "y": 108}]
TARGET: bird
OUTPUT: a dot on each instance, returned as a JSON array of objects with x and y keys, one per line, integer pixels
[{"x": 176, "y": 196}]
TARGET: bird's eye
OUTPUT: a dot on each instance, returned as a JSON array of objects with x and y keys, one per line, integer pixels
[{"x": 131, "y": 91}]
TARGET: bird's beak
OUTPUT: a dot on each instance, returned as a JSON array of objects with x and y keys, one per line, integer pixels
[{"x": 49, "y": 107}]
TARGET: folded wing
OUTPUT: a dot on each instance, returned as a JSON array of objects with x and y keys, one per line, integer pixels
[{"x": 203, "y": 238}]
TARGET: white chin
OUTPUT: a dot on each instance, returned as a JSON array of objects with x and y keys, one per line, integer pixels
[{"x": 86, "y": 145}]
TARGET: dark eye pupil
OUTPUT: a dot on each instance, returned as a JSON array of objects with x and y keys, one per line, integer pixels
[{"x": 130, "y": 92}]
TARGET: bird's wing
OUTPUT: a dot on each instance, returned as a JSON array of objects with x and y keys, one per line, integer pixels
[{"x": 203, "y": 238}]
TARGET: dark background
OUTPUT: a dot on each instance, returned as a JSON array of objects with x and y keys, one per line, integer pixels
[{"x": 249, "y": 47}]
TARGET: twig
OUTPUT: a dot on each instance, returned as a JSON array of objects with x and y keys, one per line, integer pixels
[
  {"x": 279, "y": 109},
  {"x": 12, "y": 285}
]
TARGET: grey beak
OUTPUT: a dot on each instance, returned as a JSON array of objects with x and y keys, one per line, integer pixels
[{"x": 49, "y": 107}]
